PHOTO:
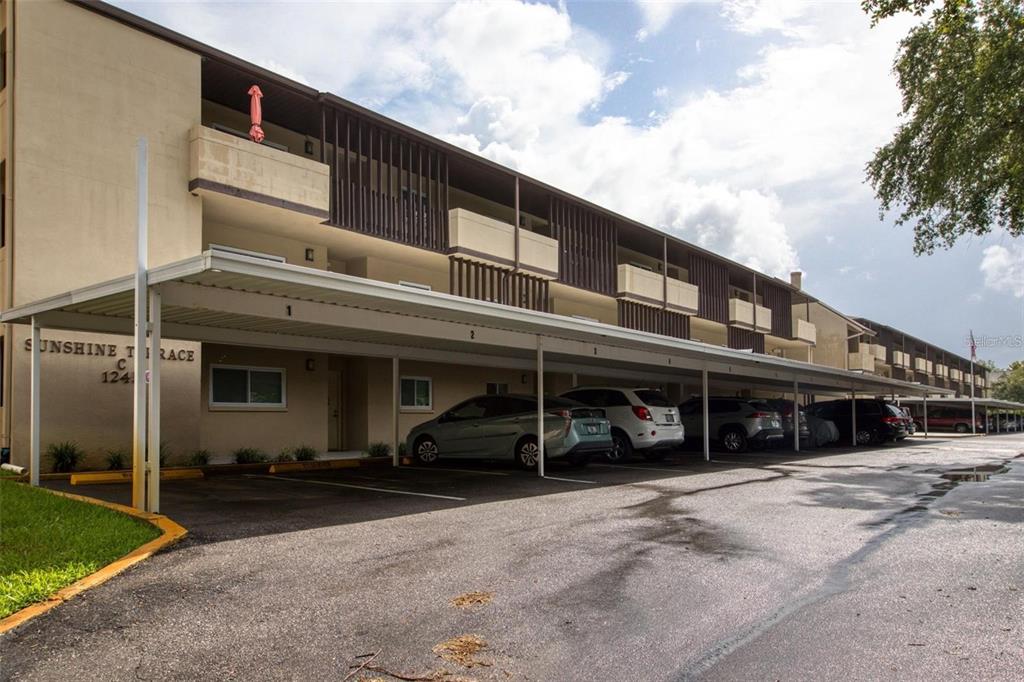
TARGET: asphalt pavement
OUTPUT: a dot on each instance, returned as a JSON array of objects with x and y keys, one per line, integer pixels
[{"x": 881, "y": 563}]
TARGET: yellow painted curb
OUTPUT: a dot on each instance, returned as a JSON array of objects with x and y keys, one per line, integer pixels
[
  {"x": 286, "y": 467},
  {"x": 96, "y": 477},
  {"x": 171, "y": 533}
]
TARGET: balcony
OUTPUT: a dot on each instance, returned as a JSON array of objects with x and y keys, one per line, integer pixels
[
  {"x": 235, "y": 174},
  {"x": 954, "y": 374},
  {"x": 900, "y": 359},
  {"x": 923, "y": 366},
  {"x": 487, "y": 240},
  {"x": 741, "y": 314},
  {"x": 863, "y": 359},
  {"x": 878, "y": 351},
  {"x": 805, "y": 331},
  {"x": 650, "y": 288},
  {"x": 941, "y": 371}
]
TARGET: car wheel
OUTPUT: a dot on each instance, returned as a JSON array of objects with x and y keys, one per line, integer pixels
[
  {"x": 426, "y": 450},
  {"x": 961, "y": 428},
  {"x": 734, "y": 440},
  {"x": 527, "y": 452},
  {"x": 865, "y": 437},
  {"x": 622, "y": 448}
]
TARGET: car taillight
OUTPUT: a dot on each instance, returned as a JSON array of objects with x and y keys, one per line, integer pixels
[
  {"x": 563, "y": 413},
  {"x": 892, "y": 420},
  {"x": 761, "y": 415},
  {"x": 642, "y": 412}
]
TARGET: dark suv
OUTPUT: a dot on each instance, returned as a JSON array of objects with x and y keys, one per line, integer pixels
[
  {"x": 736, "y": 423},
  {"x": 877, "y": 420}
]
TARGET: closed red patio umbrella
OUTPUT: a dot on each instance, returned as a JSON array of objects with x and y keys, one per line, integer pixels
[{"x": 256, "y": 114}]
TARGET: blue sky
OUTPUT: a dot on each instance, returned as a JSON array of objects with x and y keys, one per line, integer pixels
[{"x": 741, "y": 126}]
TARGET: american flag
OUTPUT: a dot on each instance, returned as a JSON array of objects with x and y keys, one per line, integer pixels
[{"x": 974, "y": 347}]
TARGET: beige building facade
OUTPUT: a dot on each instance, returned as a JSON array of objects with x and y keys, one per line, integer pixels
[{"x": 333, "y": 189}]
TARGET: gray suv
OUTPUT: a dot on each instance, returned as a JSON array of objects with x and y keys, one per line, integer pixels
[
  {"x": 736, "y": 423},
  {"x": 500, "y": 426}
]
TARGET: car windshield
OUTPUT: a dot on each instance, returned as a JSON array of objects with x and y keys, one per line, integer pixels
[{"x": 653, "y": 398}]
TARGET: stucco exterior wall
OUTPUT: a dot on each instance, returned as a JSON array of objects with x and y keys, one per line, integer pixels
[
  {"x": 830, "y": 349},
  {"x": 303, "y": 421},
  {"x": 85, "y": 398},
  {"x": 292, "y": 250},
  {"x": 87, "y": 89}
]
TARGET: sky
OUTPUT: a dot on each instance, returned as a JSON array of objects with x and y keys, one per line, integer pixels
[{"x": 740, "y": 126}]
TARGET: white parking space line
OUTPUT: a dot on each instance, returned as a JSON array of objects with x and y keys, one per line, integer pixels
[
  {"x": 357, "y": 487},
  {"x": 567, "y": 480},
  {"x": 624, "y": 466},
  {"x": 464, "y": 471}
]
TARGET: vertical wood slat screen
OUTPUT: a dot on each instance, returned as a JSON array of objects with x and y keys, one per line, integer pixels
[
  {"x": 713, "y": 280},
  {"x": 646, "y": 318},
  {"x": 586, "y": 246},
  {"x": 485, "y": 282},
  {"x": 742, "y": 339},
  {"x": 780, "y": 301},
  {"x": 384, "y": 184}
]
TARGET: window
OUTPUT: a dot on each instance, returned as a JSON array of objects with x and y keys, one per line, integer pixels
[
  {"x": 417, "y": 393},
  {"x": 246, "y": 386},
  {"x": 494, "y": 388},
  {"x": 471, "y": 409}
]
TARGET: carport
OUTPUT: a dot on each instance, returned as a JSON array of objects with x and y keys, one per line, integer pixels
[
  {"x": 226, "y": 298},
  {"x": 988, "y": 406}
]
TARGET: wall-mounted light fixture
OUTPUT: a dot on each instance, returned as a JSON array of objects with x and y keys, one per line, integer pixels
[
  {"x": 309, "y": 147},
  {"x": 310, "y": 365},
  {"x": 310, "y": 255}
]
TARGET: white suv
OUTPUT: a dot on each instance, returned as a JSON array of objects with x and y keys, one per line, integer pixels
[{"x": 643, "y": 419}]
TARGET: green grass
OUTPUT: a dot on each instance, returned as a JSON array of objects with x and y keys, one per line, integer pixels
[{"x": 48, "y": 542}]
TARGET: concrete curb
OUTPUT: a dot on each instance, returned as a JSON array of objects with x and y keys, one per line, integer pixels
[
  {"x": 99, "y": 477},
  {"x": 171, "y": 533},
  {"x": 125, "y": 475}
]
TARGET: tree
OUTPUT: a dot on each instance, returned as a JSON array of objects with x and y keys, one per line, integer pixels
[
  {"x": 955, "y": 165},
  {"x": 1011, "y": 385}
]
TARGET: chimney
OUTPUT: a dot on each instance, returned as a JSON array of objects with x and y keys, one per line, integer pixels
[{"x": 796, "y": 279}]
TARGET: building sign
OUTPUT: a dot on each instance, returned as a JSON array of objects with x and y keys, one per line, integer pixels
[{"x": 118, "y": 372}]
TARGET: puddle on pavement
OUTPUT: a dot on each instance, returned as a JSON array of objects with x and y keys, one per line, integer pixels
[{"x": 975, "y": 474}]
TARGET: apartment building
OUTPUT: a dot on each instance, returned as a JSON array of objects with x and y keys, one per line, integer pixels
[
  {"x": 895, "y": 353},
  {"x": 338, "y": 282}
]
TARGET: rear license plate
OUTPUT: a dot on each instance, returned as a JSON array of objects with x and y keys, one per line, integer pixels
[
  {"x": 592, "y": 428},
  {"x": 669, "y": 418}
]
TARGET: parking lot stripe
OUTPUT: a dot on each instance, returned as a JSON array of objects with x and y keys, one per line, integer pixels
[
  {"x": 624, "y": 466},
  {"x": 464, "y": 471},
  {"x": 567, "y": 480},
  {"x": 357, "y": 487}
]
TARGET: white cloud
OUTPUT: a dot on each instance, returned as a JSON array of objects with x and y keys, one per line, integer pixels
[
  {"x": 1003, "y": 268},
  {"x": 655, "y": 14},
  {"x": 744, "y": 170}
]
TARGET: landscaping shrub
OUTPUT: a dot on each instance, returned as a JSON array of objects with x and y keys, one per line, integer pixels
[
  {"x": 304, "y": 453},
  {"x": 65, "y": 455},
  {"x": 249, "y": 456},
  {"x": 285, "y": 456},
  {"x": 198, "y": 458},
  {"x": 117, "y": 459},
  {"x": 165, "y": 454},
  {"x": 378, "y": 450}
]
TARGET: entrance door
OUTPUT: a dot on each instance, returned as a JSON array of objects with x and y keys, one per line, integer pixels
[{"x": 335, "y": 405}]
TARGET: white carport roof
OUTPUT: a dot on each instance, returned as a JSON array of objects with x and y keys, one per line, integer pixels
[
  {"x": 965, "y": 402},
  {"x": 227, "y": 298}
]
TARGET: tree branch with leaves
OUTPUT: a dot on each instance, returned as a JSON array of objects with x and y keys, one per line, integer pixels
[{"x": 955, "y": 166}]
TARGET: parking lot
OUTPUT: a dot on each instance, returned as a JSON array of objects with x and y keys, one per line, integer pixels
[{"x": 742, "y": 567}]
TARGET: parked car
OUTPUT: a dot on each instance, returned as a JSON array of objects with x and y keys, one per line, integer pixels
[
  {"x": 642, "y": 419},
  {"x": 877, "y": 420},
  {"x": 908, "y": 420},
  {"x": 823, "y": 431},
  {"x": 735, "y": 423},
  {"x": 501, "y": 426},
  {"x": 948, "y": 418},
  {"x": 785, "y": 410}
]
